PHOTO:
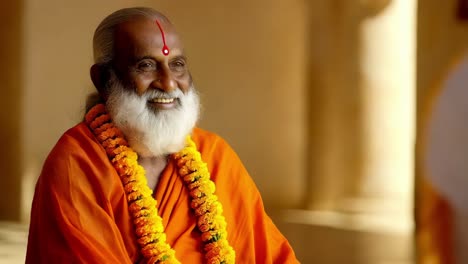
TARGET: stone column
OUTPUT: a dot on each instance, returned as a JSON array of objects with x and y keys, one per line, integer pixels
[
  {"x": 362, "y": 106},
  {"x": 387, "y": 66}
]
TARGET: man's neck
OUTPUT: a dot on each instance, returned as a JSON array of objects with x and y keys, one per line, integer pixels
[{"x": 154, "y": 166}]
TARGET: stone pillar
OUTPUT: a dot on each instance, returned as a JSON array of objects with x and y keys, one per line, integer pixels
[
  {"x": 387, "y": 65},
  {"x": 362, "y": 106}
]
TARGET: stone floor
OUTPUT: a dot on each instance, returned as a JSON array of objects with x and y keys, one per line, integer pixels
[
  {"x": 339, "y": 238},
  {"x": 13, "y": 239}
]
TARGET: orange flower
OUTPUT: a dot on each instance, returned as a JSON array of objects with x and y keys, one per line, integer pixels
[
  {"x": 103, "y": 128},
  {"x": 112, "y": 143},
  {"x": 109, "y": 133},
  {"x": 100, "y": 120},
  {"x": 95, "y": 112}
]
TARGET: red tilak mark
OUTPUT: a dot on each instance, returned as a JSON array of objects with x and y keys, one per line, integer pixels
[{"x": 165, "y": 49}]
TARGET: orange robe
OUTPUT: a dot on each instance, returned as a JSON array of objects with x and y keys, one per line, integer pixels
[
  {"x": 80, "y": 214},
  {"x": 434, "y": 226}
]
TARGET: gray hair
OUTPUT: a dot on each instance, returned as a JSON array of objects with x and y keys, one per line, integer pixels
[{"x": 103, "y": 40}]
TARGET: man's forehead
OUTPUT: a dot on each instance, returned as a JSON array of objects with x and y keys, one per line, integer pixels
[{"x": 143, "y": 31}]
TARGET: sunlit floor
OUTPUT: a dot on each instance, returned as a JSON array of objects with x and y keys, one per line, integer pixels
[
  {"x": 13, "y": 239},
  {"x": 330, "y": 238}
]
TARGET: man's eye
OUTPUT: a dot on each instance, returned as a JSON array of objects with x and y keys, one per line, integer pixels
[
  {"x": 177, "y": 65},
  {"x": 146, "y": 66}
]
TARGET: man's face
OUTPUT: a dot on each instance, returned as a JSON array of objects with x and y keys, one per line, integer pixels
[
  {"x": 150, "y": 95},
  {"x": 139, "y": 61}
]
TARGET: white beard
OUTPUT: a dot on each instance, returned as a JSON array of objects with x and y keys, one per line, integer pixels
[{"x": 152, "y": 132}]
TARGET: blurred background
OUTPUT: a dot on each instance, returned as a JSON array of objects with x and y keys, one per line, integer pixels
[{"x": 327, "y": 102}]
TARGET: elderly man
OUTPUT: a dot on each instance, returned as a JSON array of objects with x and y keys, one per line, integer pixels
[{"x": 136, "y": 182}]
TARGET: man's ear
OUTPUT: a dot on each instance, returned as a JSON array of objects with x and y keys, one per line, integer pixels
[{"x": 100, "y": 75}]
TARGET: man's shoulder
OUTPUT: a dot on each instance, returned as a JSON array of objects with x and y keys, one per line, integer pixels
[
  {"x": 208, "y": 140},
  {"x": 214, "y": 148},
  {"x": 79, "y": 132},
  {"x": 75, "y": 151},
  {"x": 200, "y": 134},
  {"x": 74, "y": 140}
]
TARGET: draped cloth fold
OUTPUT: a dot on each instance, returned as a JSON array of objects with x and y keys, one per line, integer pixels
[{"x": 80, "y": 213}]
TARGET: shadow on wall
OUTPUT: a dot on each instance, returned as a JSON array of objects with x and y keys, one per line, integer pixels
[
  {"x": 11, "y": 70},
  {"x": 333, "y": 100}
]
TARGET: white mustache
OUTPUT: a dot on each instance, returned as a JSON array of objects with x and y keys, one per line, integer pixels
[{"x": 148, "y": 95}]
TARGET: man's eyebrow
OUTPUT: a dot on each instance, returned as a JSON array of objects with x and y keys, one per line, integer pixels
[
  {"x": 178, "y": 57},
  {"x": 137, "y": 59}
]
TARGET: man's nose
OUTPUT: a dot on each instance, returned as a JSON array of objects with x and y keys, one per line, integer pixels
[{"x": 164, "y": 81}]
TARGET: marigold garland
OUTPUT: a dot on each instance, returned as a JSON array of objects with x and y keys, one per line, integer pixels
[{"x": 142, "y": 206}]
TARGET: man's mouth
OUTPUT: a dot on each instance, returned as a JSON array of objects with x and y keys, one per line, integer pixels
[
  {"x": 162, "y": 100},
  {"x": 163, "y": 103}
]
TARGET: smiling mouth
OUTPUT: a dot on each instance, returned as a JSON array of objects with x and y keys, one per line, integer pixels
[
  {"x": 162, "y": 100},
  {"x": 163, "y": 103}
]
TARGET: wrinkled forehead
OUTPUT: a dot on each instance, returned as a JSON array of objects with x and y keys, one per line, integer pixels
[{"x": 143, "y": 33}]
